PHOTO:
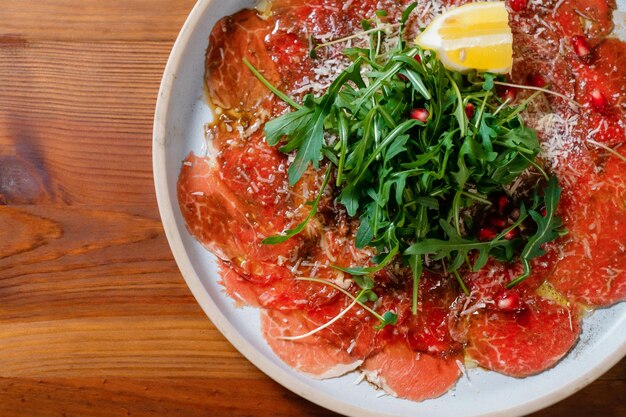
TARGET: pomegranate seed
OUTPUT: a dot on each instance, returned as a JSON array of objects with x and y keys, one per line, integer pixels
[
  {"x": 469, "y": 110},
  {"x": 498, "y": 222},
  {"x": 543, "y": 211},
  {"x": 508, "y": 301},
  {"x": 581, "y": 48},
  {"x": 506, "y": 93},
  {"x": 486, "y": 234},
  {"x": 512, "y": 234},
  {"x": 503, "y": 204},
  {"x": 518, "y": 5},
  {"x": 418, "y": 58},
  {"x": 403, "y": 77},
  {"x": 599, "y": 101},
  {"x": 515, "y": 214},
  {"x": 420, "y": 114},
  {"x": 537, "y": 80}
]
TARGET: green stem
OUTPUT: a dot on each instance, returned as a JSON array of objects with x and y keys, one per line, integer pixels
[
  {"x": 461, "y": 282},
  {"x": 416, "y": 266},
  {"x": 356, "y": 35},
  {"x": 284, "y": 97},
  {"x": 344, "y": 131},
  {"x": 476, "y": 197},
  {"x": 539, "y": 89},
  {"x": 338, "y": 288}
]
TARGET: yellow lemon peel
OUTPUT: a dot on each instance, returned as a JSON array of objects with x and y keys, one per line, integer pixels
[{"x": 473, "y": 36}]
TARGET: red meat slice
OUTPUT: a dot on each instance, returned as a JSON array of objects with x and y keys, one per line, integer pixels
[
  {"x": 525, "y": 343},
  {"x": 580, "y": 277},
  {"x": 237, "y": 287},
  {"x": 226, "y": 225},
  {"x": 532, "y": 44},
  {"x": 231, "y": 85},
  {"x": 593, "y": 268},
  {"x": 427, "y": 331},
  {"x": 599, "y": 15},
  {"x": 493, "y": 278},
  {"x": 314, "y": 355},
  {"x": 282, "y": 293},
  {"x": 254, "y": 172},
  {"x": 212, "y": 211},
  {"x": 402, "y": 372},
  {"x": 488, "y": 290},
  {"x": 608, "y": 120}
]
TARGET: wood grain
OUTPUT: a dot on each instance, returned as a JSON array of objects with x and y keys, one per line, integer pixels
[
  {"x": 189, "y": 397},
  {"x": 95, "y": 319},
  {"x": 94, "y": 20},
  {"x": 78, "y": 118}
]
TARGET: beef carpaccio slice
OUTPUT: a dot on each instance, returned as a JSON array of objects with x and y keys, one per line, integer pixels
[
  {"x": 405, "y": 373},
  {"x": 588, "y": 265},
  {"x": 522, "y": 343},
  {"x": 239, "y": 194},
  {"x": 226, "y": 222},
  {"x": 517, "y": 332},
  {"x": 592, "y": 270},
  {"x": 233, "y": 39},
  {"x": 314, "y": 355}
]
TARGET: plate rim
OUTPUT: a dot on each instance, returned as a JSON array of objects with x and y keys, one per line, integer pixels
[{"x": 284, "y": 377}]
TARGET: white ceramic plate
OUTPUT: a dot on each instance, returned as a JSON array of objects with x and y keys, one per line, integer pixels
[{"x": 178, "y": 128}]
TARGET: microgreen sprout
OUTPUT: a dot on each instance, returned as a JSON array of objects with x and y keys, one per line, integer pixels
[
  {"x": 541, "y": 89},
  {"x": 606, "y": 148}
]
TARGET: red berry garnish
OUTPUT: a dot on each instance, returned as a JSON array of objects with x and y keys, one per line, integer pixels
[
  {"x": 419, "y": 114},
  {"x": 537, "y": 80},
  {"x": 508, "y": 300},
  {"x": 486, "y": 234},
  {"x": 518, "y": 5},
  {"x": 512, "y": 234},
  {"x": 581, "y": 48},
  {"x": 503, "y": 202},
  {"x": 598, "y": 100},
  {"x": 506, "y": 93},
  {"x": 470, "y": 109},
  {"x": 498, "y": 222}
]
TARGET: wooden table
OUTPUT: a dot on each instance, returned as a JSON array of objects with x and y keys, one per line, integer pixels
[{"x": 95, "y": 318}]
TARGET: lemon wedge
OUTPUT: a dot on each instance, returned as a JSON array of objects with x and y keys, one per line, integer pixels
[{"x": 473, "y": 36}]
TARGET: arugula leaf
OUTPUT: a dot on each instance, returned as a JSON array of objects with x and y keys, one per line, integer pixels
[
  {"x": 406, "y": 13},
  {"x": 488, "y": 134},
  {"x": 304, "y": 128},
  {"x": 416, "y": 80},
  {"x": 365, "y": 233},
  {"x": 456, "y": 248},
  {"x": 523, "y": 139},
  {"x": 290, "y": 124},
  {"x": 309, "y": 150},
  {"x": 549, "y": 227},
  {"x": 397, "y": 146},
  {"x": 349, "y": 198}
]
